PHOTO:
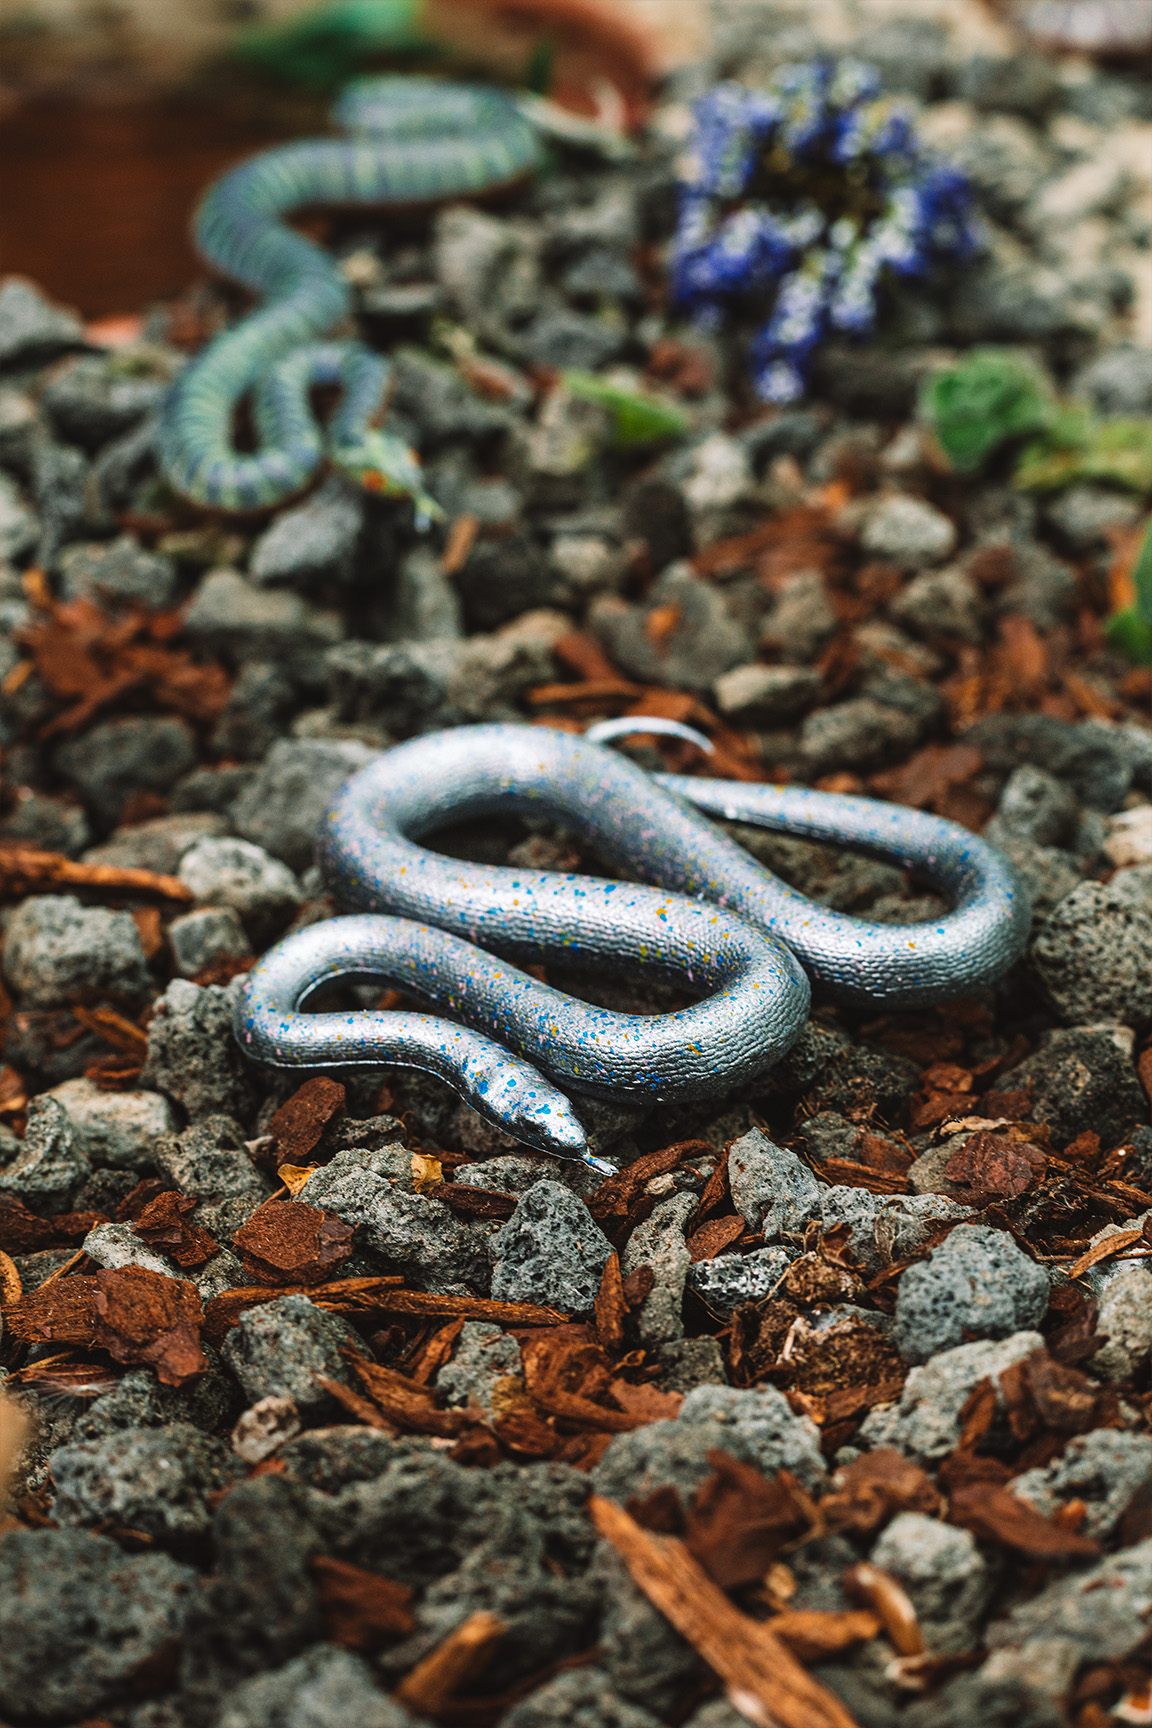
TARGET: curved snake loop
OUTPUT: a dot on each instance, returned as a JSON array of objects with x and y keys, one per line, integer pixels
[
  {"x": 716, "y": 923},
  {"x": 411, "y": 140}
]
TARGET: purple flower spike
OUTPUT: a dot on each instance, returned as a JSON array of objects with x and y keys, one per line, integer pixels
[{"x": 801, "y": 200}]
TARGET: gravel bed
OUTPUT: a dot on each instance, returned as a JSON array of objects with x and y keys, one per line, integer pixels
[{"x": 349, "y": 1409}]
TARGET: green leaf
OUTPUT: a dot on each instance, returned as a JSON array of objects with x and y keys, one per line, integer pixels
[
  {"x": 1113, "y": 452},
  {"x": 993, "y": 395},
  {"x": 637, "y": 419},
  {"x": 1142, "y": 577},
  {"x": 1127, "y": 631}
]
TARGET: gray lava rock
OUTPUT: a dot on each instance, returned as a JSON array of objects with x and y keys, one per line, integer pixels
[
  {"x": 209, "y": 934},
  {"x": 1034, "y": 806},
  {"x": 884, "y": 1228},
  {"x": 158, "y": 844},
  {"x": 771, "y": 1188},
  {"x": 316, "y": 540},
  {"x": 1103, "y": 1468},
  {"x": 584, "y": 1698},
  {"x": 925, "y": 1422},
  {"x": 859, "y": 733},
  {"x": 728, "y": 1281},
  {"x": 50, "y": 1165},
  {"x": 372, "y": 1191},
  {"x": 908, "y": 531},
  {"x": 234, "y": 619},
  {"x": 279, "y": 1349},
  {"x": 97, "y": 397},
  {"x": 763, "y": 695},
  {"x": 80, "y": 1620},
  {"x": 1099, "y": 761},
  {"x": 53, "y": 824},
  {"x": 118, "y": 573},
  {"x": 993, "y": 1700},
  {"x": 113, "y": 760},
  {"x": 259, "y": 708},
  {"x": 1086, "y": 515},
  {"x": 1100, "y": 1614},
  {"x": 207, "y": 1160},
  {"x": 114, "y": 1129},
  {"x": 19, "y": 527},
  {"x": 31, "y": 327},
  {"x": 503, "y": 578},
  {"x": 551, "y": 1251},
  {"x": 659, "y": 1243},
  {"x": 151, "y": 1479},
  {"x": 235, "y": 873},
  {"x": 1082, "y": 1078},
  {"x": 941, "y": 603},
  {"x": 756, "y": 1426},
  {"x": 425, "y": 605},
  {"x": 943, "y": 1572},
  {"x": 281, "y": 807},
  {"x": 978, "y": 1283},
  {"x": 569, "y": 340},
  {"x": 866, "y": 1085},
  {"x": 647, "y": 1662},
  {"x": 1118, "y": 382},
  {"x": 802, "y": 620},
  {"x": 1123, "y": 1291},
  {"x": 58, "y": 951},
  {"x": 324, "y": 1688},
  {"x": 691, "y": 1362},
  {"x": 483, "y": 1355},
  {"x": 704, "y": 641},
  {"x": 193, "y": 1057},
  {"x": 1093, "y": 954}
]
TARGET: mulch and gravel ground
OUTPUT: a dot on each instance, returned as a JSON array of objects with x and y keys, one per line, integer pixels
[{"x": 833, "y": 1406}]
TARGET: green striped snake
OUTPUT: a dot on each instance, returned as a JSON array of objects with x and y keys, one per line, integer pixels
[{"x": 409, "y": 141}]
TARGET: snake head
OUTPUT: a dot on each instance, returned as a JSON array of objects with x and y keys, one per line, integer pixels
[{"x": 384, "y": 464}]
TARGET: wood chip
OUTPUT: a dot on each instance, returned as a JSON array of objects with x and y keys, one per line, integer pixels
[
  {"x": 289, "y": 1242},
  {"x": 462, "y": 1656},
  {"x": 1104, "y": 1250},
  {"x": 739, "y": 1520},
  {"x": 888, "y": 1597},
  {"x": 814, "y": 1634},
  {"x": 362, "y": 1409},
  {"x": 714, "y": 1237},
  {"x": 343, "y": 1296},
  {"x": 299, "y": 1124},
  {"x": 26, "y": 870},
  {"x": 361, "y": 1609},
  {"x": 762, "y": 1677},
  {"x": 611, "y": 1307},
  {"x": 875, "y": 1486},
  {"x": 469, "y": 1202},
  {"x": 166, "y": 1223},
  {"x": 407, "y": 1404},
  {"x": 115, "y": 1030},
  {"x": 994, "y": 1514}
]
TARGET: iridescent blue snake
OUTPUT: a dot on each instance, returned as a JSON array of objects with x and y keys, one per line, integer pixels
[
  {"x": 717, "y": 924},
  {"x": 411, "y": 141}
]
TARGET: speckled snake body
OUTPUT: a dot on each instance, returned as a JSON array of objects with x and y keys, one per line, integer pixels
[
  {"x": 411, "y": 140},
  {"x": 716, "y": 923}
]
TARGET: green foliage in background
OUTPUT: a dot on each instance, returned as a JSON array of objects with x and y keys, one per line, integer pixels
[
  {"x": 1076, "y": 446},
  {"x": 637, "y": 419},
  {"x": 994, "y": 396},
  {"x": 322, "y": 49},
  {"x": 1131, "y": 629}
]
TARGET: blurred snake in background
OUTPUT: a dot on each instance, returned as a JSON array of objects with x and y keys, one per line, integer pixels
[{"x": 715, "y": 923}]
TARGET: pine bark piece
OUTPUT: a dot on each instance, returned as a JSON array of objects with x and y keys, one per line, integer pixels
[
  {"x": 815, "y": 1634},
  {"x": 27, "y": 870},
  {"x": 361, "y": 1609},
  {"x": 406, "y": 1403},
  {"x": 611, "y": 1307},
  {"x": 290, "y": 1242},
  {"x": 464, "y": 1654},
  {"x": 762, "y": 1677},
  {"x": 299, "y": 1124}
]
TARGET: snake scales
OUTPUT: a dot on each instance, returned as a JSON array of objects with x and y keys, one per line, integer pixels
[
  {"x": 410, "y": 141},
  {"x": 717, "y": 923}
]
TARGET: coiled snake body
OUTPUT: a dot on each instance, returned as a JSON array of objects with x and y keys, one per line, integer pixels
[
  {"x": 411, "y": 140},
  {"x": 717, "y": 922}
]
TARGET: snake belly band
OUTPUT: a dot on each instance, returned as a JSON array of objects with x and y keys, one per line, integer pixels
[
  {"x": 450, "y": 933},
  {"x": 413, "y": 140}
]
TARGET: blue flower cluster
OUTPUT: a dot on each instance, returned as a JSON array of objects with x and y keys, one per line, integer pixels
[{"x": 806, "y": 194}]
